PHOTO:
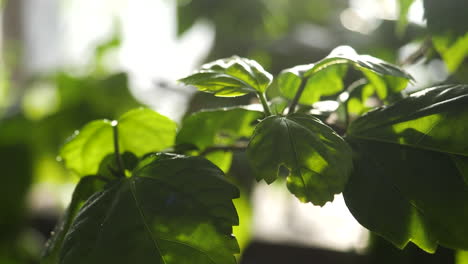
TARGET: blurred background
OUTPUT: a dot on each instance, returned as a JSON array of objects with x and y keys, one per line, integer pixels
[{"x": 67, "y": 62}]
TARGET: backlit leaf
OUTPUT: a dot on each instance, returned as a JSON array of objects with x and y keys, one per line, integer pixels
[
  {"x": 140, "y": 131},
  {"x": 173, "y": 209},
  {"x": 326, "y": 76},
  {"x": 83, "y": 191},
  {"x": 411, "y": 167},
  {"x": 217, "y": 127},
  {"x": 453, "y": 49},
  {"x": 407, "y": 194},
  {"x": 433, "y": 119},
  {"x": 318, "y": 159},
  {"x": 234, "y": 76}
]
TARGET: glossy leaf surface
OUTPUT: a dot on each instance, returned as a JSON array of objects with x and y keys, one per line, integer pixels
[
  {"x": 433, "y": 119},
  {"x": 83, "y": 191},
  {"x": 217, "y": 127},
  {"x": 408, "y": 194},
  {"x": 173, "y": 209},
  {"x": 140, "y": 131},
  {"x": 234, "y": 76},
  {"x": 409, "y": 182},
  {"x": 326, "y": 76},
  {"x": 318, "y": 159}
]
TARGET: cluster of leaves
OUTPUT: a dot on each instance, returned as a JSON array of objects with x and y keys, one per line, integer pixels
[{"x": 403, "y": 167}]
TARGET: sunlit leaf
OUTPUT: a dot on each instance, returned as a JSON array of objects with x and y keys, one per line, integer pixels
[
  {"x": 217, "y": 127},
  {"x": 326, "y": 76},
  {"x": 403, "y": 8},
  {"x": 318, "y": 159},
  {"x": 83, "y": 191},
  {"x": 173, "y": 209},
  {"x": 453, "y": 49},
  {"x": 411, "y": 167},
  {"x": 433, "y": 119},
  {"x": 234, "y": 76},
  {"x": 407, "y": 194},
  {"x": 325, "y": 82},
  {"x": 140, "y": 131}
]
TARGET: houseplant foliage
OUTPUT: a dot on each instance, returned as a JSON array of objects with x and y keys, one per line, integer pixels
[{"x": 403, "y": 167}]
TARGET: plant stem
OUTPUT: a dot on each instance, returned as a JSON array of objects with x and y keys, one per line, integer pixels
[
  {"x": 263, "y": 100},
  {"x": 297, "y": 96},
  {"x": 239, "y": 146},
  {"x": 120, "y": 166}
]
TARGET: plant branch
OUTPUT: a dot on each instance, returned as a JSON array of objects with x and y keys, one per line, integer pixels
[
  {"x": 263, "y": 100},
  {"x": 118, "y": 157},
  {"x": 297, "y": 96},
  {"x": 239, "y": 146}
]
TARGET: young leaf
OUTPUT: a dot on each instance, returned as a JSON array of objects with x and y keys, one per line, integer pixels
[
  {"x": 318, "y": 159},
  {"x": 403, "y": 8},
  {"x": 325, "y": 82},
  {"x": 406, "y": 194},
  {"x": 140, "y": 131},
  {"x": 411, "y": 162},
  {"x": 325, "y": 77},
  {"x": 234, "y": 76},
  {"x": 174, "y": 209},
  {"x": 217, "y": 127},
  {"x": 453, "y": 49},
  {"x": 433, "y": 119},
  {"x": 83, "y": 191}
]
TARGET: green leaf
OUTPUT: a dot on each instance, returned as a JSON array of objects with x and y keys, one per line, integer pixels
[
  {"x": 446, "y": 16},
  {"x": 325, "y": 82},
  {"x": 461, "y": 257},
  {"x": 109, "y": 167},
  {"x": 411, "y": 160},
  {"x": 318, "y": 159},
  {"x": 217, "y": 127},
  {"x": 172, "y": 210},
  {"x": 453, "y": 49},
  {"x": 234, "y": 76},
  {"x": 403, "y": 8},
  {"x": 432, "y": 119},
  {"x": 407, "y": 194},
  {"x": 326, "y": 76},
  {"x": 140, "y": 131},
  {"x": 83, "y": 191},
  {"x": 222, "y": 159}
]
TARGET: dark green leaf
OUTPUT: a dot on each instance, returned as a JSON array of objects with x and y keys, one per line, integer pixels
[
  {"x": 411, "y": 160},
  {"x": 140, "y": 131},
  {"x": 217, "y": 127},
  {"x": 318, "y": 159},
  {"x": 87, "y": 186},
  {"x": 407, "y": 194},
  {"x": 234, "y": 76},
  {"x": 446, "y": 16},
  {"x": 433, "y": 119},
  {"x": 172, "y": 210}
]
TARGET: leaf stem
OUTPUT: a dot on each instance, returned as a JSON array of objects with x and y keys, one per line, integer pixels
[
  {"x": 297, "y": 96},
  {"x": 263, "y": 100},
  {"x": 118, "y": 157},
  {"x": 239, "y": 146}
]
